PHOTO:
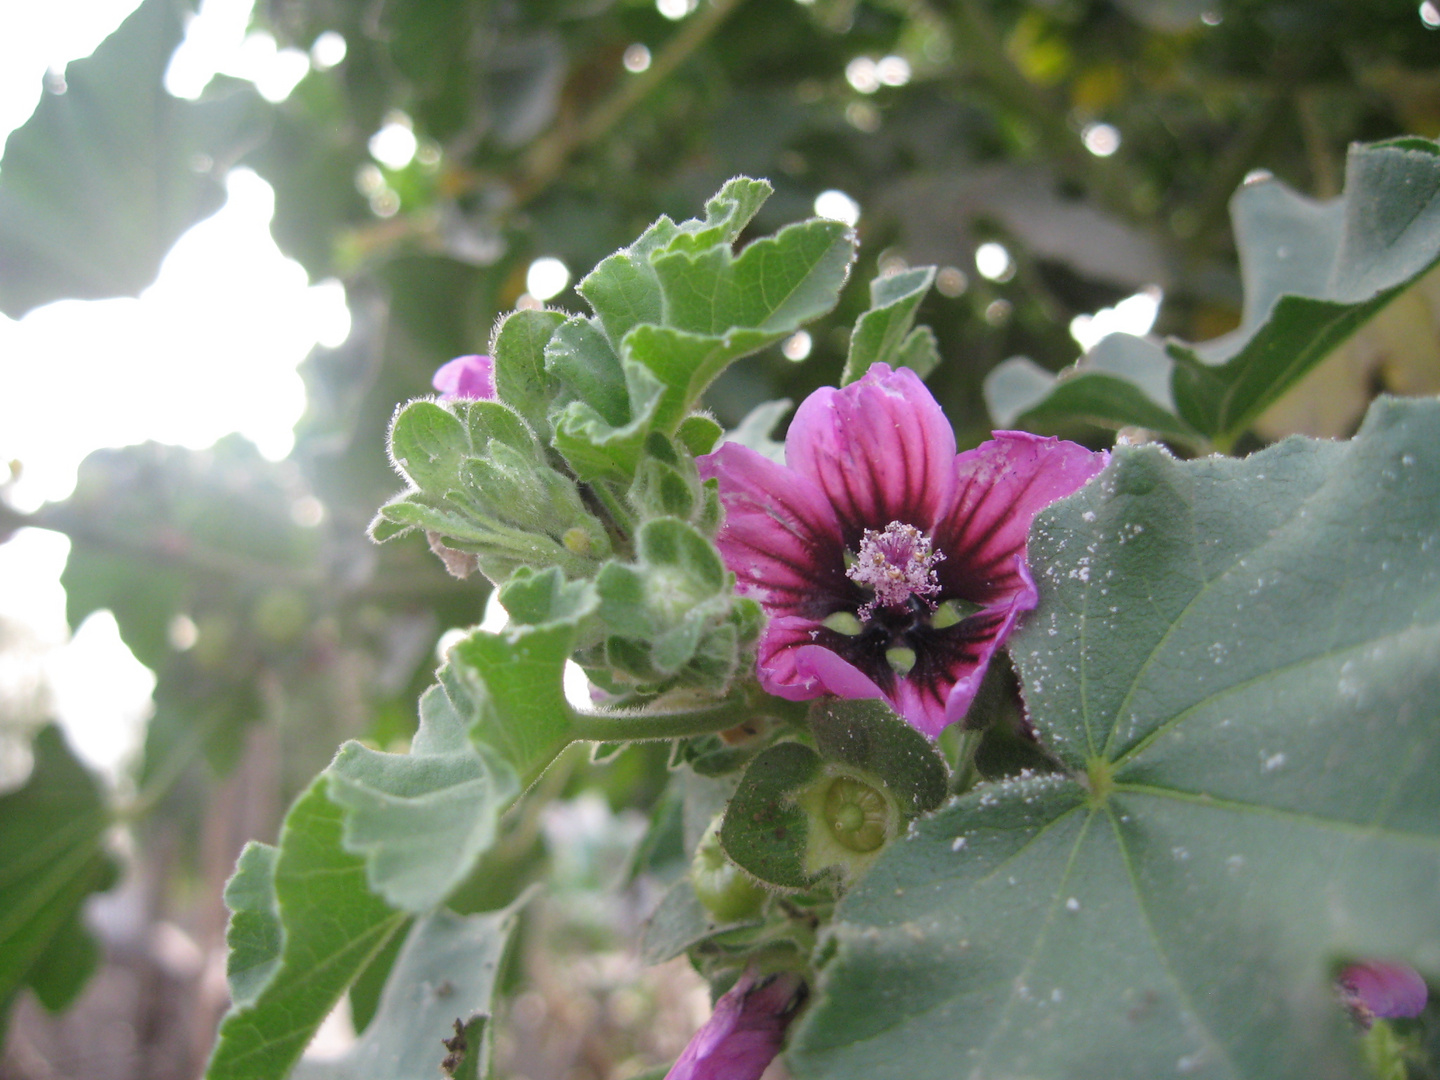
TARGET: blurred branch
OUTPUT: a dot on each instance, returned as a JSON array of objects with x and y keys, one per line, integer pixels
[{"x": 546, "y": 160}]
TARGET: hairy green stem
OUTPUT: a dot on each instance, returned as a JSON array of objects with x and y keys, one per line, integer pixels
[{"x": 638, "y": 725}]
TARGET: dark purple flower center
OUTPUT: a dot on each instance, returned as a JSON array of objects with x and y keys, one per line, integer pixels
[{"x": 903, "y": 628}]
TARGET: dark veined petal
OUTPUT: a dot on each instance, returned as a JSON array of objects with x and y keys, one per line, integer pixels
[
  {"x": 799, "y": 659},
  {"x": 880, "y": 449},
  {"x": 781, "y": 538},
  {"x": 1000, "y": 486}
]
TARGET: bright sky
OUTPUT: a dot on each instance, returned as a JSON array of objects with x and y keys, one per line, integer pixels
[{"x": 210, "y": 348}]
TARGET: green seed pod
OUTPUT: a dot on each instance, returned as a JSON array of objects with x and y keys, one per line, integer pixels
[
  {"x": 856, "y": 813},
  {"x": 852, "y": 817},
  {"x": 725, "y": 890}
]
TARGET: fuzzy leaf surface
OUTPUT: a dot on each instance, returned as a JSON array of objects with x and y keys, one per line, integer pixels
[
  {"x": 422, "y": 819},
  {"x": 445, "y": 972},
  {"x": 1236, "y": 663}
]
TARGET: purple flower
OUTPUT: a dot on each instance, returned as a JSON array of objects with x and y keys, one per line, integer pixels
[
  {"x": 1384, "y": 989},
  {"x": 466, "y": 378},
  {"x": 744, "y": 1032},
  {"x": 889, "y": 565}
]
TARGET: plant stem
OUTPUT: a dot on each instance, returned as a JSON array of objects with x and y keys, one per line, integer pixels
[
  {"x": 638, "y": 725},
  {"x": 549, "y": 155},
  {"x": 615, "y": 507}
]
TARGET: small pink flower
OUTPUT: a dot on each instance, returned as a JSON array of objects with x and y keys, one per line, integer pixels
[
  {"x": 744, "y": 1032},
  {"x": 890, "y": 566},
  {"x": 466, "y": 378},
  {"x": 1383, "y": 989}
]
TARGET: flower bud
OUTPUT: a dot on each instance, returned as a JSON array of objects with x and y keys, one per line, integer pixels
[
  {"x": 466, "y": 378},
  {"x": 725, "y": 890},
  {"x": 745, "y": 1031}
]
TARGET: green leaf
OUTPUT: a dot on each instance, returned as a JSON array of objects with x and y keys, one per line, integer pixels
[
  {"x": 539, "y": 598},
  {"x": 446, "y": 972},
  {"x": 775, "y": 285},
  {"x": 676, "y": 590},
  {"x": 882, "y": 333},
  {"x": 331, "y": 927},
  {"x": 624, "y": 289},
  {"x": 686, "y": 363},
  {"x": 423, "y": 819},
  {"x": 254, "y": 935},
  {"x": 596, "y": 448},
  {"x": 1314, "y": 274},
  {"x": 727, "y": 212},
  {"x": 1123, "y": 381},
  {"x": 579, "y": 355},
  {"x": 428, "y": 442},
  {"x": 100, "y": 183},
  {"x": 518, "y": 350},
  {"x": 920, "y": 352},
  {"x": 510, "y": 688},
  {"x": 1235, "y": 662},
  {"x": 51, "y": 859}
]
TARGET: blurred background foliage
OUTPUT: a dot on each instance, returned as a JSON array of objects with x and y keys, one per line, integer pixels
[{"x": 1097, "y": 141}]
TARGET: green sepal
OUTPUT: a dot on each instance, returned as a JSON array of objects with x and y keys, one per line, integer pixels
[
  {"x": 868, "y": 735},
  {"x": 765, "y": 830},
  {"x": 883, "y": 334}
]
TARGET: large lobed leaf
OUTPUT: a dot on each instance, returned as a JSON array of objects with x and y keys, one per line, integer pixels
[
  {"x": 1237, "y": 664},
  {"x": 1313, "y": 272},
  {"x": 445, "y": 973},
  {"x": 51, "y": 859},
  {"x": 104, "y": 178},
  {"x": 286, "y": 978}
]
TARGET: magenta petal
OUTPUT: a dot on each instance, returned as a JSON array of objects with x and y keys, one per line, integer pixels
[
  {"x": 880, "y": 449},
  {"x": 1387, "y": 989},
  {"x": 744, "y": 1033},
  {"x": 466, "y": 378},
  {"x": 792, "y": 666},
  {"x": 781, "y": 539},
  {"x": 1000, "y": 486}
]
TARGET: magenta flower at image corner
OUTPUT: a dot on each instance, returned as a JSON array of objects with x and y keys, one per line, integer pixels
[
  {"x": 466, "y": 378},
  {"x": 744, "y": 1032},
  {"x": 890, "y": 566},
  {"x": 1382, "y": 988}
]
